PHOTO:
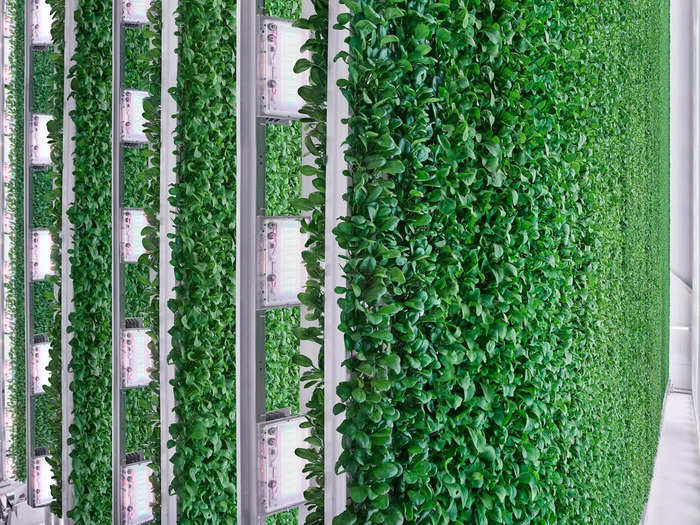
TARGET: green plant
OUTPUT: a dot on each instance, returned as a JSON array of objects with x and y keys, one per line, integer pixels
[
  {"x": 494, "y": 366},
  {"x": 91, "y": 264}
]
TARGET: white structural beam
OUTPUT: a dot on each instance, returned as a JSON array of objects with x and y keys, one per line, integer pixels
[
  {"x": 695, "y": 319},
  {"x": 168, "y": 177},
  {"x": 335, "y": 497}
]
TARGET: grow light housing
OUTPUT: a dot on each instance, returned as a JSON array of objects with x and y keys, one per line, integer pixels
[
  {"x": 279, "y": 48},
  {"x": 282, "y": 482},
  {"x": 8, "y": 123},
  {"x": 282, "y": 274},
  {"x": 40, "y": 362},
  {"x": 8, "y": 26},
  {"x": 41, "y": 254},
  {"x": 137, "y": 491},
  {"x": 41, "y": 478},
  {"x": 133, "y": 122},
  {"x": 41, "y": 23},
  {"x": 7, "y": 65},
  {"x": 136, "y": 358},
  {"x": 134, "y": 220},
  {"x": 41, "y": 149},
  {"x": 135, "y": 12}
]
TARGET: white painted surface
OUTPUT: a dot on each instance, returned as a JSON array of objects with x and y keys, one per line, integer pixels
[{"x": 674, "y": 498}]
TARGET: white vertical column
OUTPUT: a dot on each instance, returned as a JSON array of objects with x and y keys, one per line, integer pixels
[
  {"x": 335, "y": 497},
  {"x": 168, "y": 177}
]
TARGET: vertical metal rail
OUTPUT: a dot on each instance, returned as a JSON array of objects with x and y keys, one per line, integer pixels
[
  {"x": 335, "y": 496},
  {"x": 250, "y": 323},
  {"x": 168, "y": 178},
  {"x": 28, "y": 217},
  {"x": 67, "y": 306},
  {"x": 118, "y": 431},
  {"x": 695, "y": 316},
  {"x": 3, "y": 190}
]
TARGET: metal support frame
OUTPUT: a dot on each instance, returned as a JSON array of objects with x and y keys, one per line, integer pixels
[
  {"x": 118, "y": 398},
  {"x": 335, "y": 496},
  {"x": 695, "y": 304},
  {"x": 168, "y": 178},
  {"x": 250, "y": 322},
  {"x": 67, "y": 305},
  {"x": 28, "y": 218}
]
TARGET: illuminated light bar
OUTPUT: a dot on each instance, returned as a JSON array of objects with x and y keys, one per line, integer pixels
[
  {"x": 6, "y": 165},
  {"x": 135, "y": 12},
  {"x": 8, "y": 26},
  {"x": 133, "y": 122},
  {"x": 137, "y": 491},
  {"x": 41, "y": 254},
  {"x": 41, "y": 23},
  {"x": 282, "y": 274},
  {"x": 136, "y": 358},
  {"x": 279, "y": 49},
  {"x": 8, "y": 123},
  {"x": 7, "y": 69},
  {"x": 41, "y": 477},
  {"x": 40, "y": 362},
  {"x": 134, "y": 220},
  {"x": 41, "y": 149},
  {"x": 282, "y": 482}
]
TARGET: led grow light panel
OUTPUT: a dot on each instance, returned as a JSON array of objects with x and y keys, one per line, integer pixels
[
  {"x": 133, "y": 122},
  {"x": 39, "y": 367},
  {"x": 135, "y": 12},
  {"x": 137, "y": 494},
  {"x": 283, "y": 483},
  {"x": 41, "y": 23},
  {"x": 136, "y": 359},
  {"x": 41, "y": 478},
  {"x": 279, "y": 49},
  {"x": 282, "y": 274},
  {"x": 8, "y": 123},
  {"x": 134, "y": 220},
  {"x": 41, "y": 254},
  {"x": 7, "y": 69},
  {"x": 41, "y": 149},
  {"x": 8, "y": 26}
]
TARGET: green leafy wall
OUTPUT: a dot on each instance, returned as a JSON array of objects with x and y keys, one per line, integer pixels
[
  {"x": 507, "y": 299},
  {"x": 91, "y": 265}
]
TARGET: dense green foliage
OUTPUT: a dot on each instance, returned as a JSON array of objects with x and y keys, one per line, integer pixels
[
  {"x": 507, "y": 294},
  {"x": 313, "y": 205},
  {"x": 91, "y": 265}
]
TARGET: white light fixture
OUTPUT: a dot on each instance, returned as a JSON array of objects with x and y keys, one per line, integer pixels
[
  {"x": 282, "y": 481},
  {"x": 41, "y": 254},
  {"x": 134, "y": 220},
  {"x": 8, "y": 123},
  {"x": 136, "y": 359},
  {"x": 137, "y": 493},
  {"x": 41, "y": 149},
  {"x": 280, "y": 48},
  {"x": 8, "y": 25},
  {"x": 41, "y": 478},
  {"x": 135, "y": 12},
  {"x": 40, "y": 362},
  {"x": 283, "y": 274},
  {"x": 7, "y": 65},
  {"x": 41, "y": 23},
  {"x": 133, "y": 122}
]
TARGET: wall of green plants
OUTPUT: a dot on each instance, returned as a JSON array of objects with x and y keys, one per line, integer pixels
[
  {"x": 507, "y": 298},
  {"x": 91, "y": 265}
]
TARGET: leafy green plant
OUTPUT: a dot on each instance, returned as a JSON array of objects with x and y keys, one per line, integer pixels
[
  {"x": 91, "y": 263},
  {"x": 314, "y": 96},
  {"x": 497, "y": 209}
]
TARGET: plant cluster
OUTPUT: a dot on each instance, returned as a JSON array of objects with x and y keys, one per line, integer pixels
[
  {"x": 495, "y": 214},
  {"x": 91, "y": 265}
]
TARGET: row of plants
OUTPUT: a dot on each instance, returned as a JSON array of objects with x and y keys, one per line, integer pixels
[{"x": 506, "y": 311}]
